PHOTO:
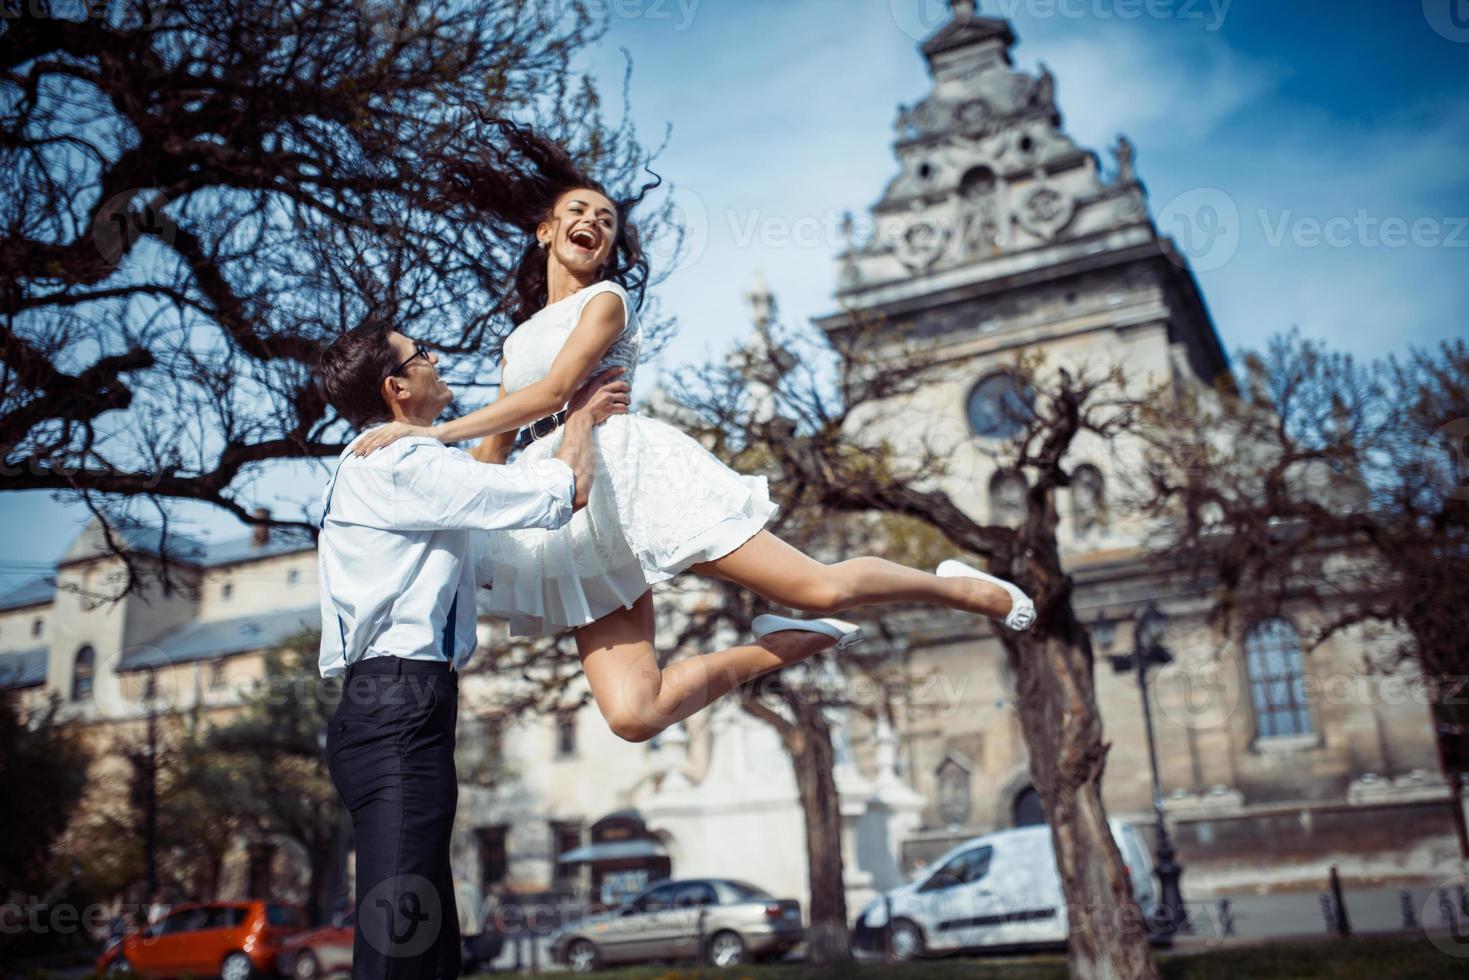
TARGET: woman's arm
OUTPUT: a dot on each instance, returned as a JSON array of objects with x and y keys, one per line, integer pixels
[
  {"x": 496, "y": 448},
  {"x": 601, "y": 322}
]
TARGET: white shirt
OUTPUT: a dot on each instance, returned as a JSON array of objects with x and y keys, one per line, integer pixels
[{"x": 393, "y": 554}]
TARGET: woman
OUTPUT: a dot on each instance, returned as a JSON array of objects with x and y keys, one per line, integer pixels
[{"x": 661, "y": 504}]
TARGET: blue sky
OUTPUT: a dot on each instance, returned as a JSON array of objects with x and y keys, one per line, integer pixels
[{"x": 1325, "y": 141}]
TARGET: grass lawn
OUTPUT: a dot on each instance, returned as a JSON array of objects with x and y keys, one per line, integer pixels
[{"x": 1353, "y": 959}]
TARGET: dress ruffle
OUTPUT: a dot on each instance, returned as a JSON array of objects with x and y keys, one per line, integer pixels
[{"x": 660, "y": 503}]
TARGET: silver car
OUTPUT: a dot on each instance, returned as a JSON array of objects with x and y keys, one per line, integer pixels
[{"x": 720, "y": 921}]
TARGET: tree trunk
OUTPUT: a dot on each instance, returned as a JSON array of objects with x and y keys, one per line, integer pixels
[
  {"x": 808, "y": 742},
  {"x": 1063, "y": 734}
]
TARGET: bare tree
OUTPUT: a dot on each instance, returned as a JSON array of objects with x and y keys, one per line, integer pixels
[
  {"x": 203, "y": 193},
  {"x": 1339, "y": 485},
  {"x": 802, "y": 410}
]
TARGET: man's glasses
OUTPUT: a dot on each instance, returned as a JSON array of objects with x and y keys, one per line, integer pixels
[{"x": 418, "y": 351}]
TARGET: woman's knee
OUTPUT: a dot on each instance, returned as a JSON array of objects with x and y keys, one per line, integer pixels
[{"x": 824, "y": 595}]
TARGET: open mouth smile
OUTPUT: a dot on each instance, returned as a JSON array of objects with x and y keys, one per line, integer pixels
[{"x": 584, "y": 238}]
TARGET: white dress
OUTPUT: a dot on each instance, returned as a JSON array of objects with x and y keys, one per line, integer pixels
[{"x": 660, "y": 501}]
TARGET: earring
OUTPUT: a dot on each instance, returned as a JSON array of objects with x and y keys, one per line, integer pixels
[{"x": 542, "y": 243}]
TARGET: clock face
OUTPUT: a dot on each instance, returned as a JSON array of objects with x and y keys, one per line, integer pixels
[{"x": 999, "y": 406}]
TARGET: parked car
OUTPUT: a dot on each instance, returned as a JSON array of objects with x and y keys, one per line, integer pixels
[
  {"x": 326, "y": 951},
  {"x": 721, "y": 921},
  {"x": 998, "y": 890},
  {"x": 320, "y": 952},
  {"x": 232, "y": 940}
]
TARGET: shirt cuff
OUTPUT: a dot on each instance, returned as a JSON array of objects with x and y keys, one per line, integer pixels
[{"x": 559, "y": 481}]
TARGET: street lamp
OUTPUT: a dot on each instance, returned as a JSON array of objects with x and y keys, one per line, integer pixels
[{"x": 1148, "y": 651}]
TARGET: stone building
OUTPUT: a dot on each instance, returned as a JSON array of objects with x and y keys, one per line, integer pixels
[{"x": 998, "y": 235}]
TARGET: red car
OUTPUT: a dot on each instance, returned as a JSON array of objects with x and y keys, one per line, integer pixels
[
  {"x": 231, "y": 940},
  {"x": 319, "y": 952}
]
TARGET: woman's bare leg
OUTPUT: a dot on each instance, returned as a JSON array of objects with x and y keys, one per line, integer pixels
[
  {"x": 769, "y": 567},
  {"x": 638, "y": 700}
]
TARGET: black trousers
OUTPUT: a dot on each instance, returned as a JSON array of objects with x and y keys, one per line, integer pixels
[{"x": 390, "y": 750}]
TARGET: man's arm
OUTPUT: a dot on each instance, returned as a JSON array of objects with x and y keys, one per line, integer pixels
[{"x": 436, "y": 488}]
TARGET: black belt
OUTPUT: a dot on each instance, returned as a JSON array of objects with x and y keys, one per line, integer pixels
[{"x": 539, "y": 429}]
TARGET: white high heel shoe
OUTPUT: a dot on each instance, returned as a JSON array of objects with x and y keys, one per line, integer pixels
[
  {"x": 843, "y": 632},
  {"x": 1022, "y": 610}
]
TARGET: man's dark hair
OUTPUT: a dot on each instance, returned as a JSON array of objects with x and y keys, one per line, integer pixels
[{"x": 353, "y": 369}]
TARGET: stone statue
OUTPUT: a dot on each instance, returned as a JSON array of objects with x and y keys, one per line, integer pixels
[
  {"x": 1043, "y": 94},
  {"x": 1124, "y": 152}
]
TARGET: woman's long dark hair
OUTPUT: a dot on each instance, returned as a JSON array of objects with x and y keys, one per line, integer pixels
[{"x": 517, "y": 180}]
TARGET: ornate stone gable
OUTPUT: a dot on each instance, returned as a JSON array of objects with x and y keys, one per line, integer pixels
[{"x": 986, "y": 170}]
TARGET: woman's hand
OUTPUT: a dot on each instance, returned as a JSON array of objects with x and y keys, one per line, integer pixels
[{"x": 388, "y": 434}]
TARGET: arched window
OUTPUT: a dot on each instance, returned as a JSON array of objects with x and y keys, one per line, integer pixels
[
  {"x": 1277, "y": 679},
  {"x": 81, "y": 674},
  {"x": 1026, "y": 810},
  {"x": 1000, "y": 405},
  {"x": 1088, "y": 498},
  {"x": 1007, "y": 498}
]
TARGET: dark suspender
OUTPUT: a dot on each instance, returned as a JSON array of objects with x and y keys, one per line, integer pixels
[{"x": 450, "y": 627}]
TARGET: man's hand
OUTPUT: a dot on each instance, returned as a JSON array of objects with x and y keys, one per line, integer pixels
[
  {"x": 601, "y": 398},
  {"x": 388, "y": 434}
]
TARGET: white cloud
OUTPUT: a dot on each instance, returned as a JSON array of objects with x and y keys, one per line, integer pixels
[{"x": 1174, "y": 85}]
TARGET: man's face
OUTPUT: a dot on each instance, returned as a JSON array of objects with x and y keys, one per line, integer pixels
[{"x": 415, "y": 387}]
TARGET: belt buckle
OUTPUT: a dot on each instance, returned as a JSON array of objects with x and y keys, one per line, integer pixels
[{"x": 536, "y": 432}]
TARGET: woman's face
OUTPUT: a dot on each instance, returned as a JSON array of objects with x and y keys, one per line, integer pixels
[{"x": 581, "y": 231}]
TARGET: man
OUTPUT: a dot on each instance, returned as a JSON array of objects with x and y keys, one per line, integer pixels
[{"x": 398, "y": 620}]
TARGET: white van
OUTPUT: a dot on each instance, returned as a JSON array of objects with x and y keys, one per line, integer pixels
[{"x": 1001, "y": 889}]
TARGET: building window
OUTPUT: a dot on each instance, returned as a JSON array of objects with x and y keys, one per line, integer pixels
[
  {"x": 1000, "y": 405},
  {"x": 1088, "y": 499},
  {"x": 38, "y": 626},
  {"x": 565, "y": 734},
  {"x": 227, "y": 590},
  {"x": 81, "y": 674},
  {"x": 216, "y": 675},
  {"x": 293, "y": 576},
  {"x": 1007, "y": 498},
  {"x": 494, "y": 862},
  {"x": 1277, "y": 680},
  {"x": 565, "y": 836}
]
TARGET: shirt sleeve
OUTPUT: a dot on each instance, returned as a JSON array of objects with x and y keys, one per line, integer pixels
[{"x": 439, "y": 488}]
